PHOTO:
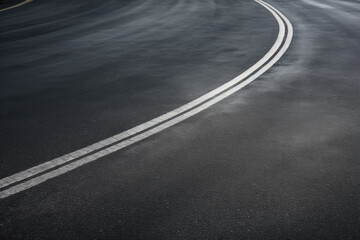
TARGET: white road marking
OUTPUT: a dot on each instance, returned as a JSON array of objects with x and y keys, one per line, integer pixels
[
  {"x": 15, "y": 6},
  {"x": 163, "y": 122},
  {"x": 104, "y": 143}
]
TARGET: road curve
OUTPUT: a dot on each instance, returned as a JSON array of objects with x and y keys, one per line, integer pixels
[
  {"x": 128, "y": 69},
  {"x": 277, "y": 160},
  {"x": 43, "y": 172}
]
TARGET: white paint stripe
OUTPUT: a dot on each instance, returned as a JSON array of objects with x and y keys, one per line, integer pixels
[
  {"x": 71, "y": 166},
  {"x": 15, "y": 6},
  {"x": 104, "y": 143}
]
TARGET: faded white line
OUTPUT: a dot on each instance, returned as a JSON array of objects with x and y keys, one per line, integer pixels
[
  {"x": 15, "y": 6},
  {"x": 202, "y": 100}
]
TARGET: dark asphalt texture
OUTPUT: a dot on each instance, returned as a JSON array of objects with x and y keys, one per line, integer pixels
[
  {"x": 9, "y": 3},
  {"x": 277, "y": 160}
]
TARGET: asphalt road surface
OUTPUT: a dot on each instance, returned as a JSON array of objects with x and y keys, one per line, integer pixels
[{"x": 278, "y": 159}]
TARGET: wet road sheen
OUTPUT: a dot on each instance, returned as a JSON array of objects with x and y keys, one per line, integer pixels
[{"x": 277, "y": 160}]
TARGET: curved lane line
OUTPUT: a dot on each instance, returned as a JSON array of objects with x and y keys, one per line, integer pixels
[
  {"x": 194, "y": 107},
  {"x": 15, "y": 6},
  {"x": 119, "y": 137}
]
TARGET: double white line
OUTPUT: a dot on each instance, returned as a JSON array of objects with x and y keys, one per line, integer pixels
[{"x": 43, "y": 172}]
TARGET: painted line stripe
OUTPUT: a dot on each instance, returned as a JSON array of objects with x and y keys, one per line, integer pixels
[
  {"x": 15, "y": 6},
  {"x": 109, "y": 141},
  {"x": 204, "y": 105}
]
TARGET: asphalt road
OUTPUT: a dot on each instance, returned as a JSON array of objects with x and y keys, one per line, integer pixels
[{"x": 276, "y": 160}]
